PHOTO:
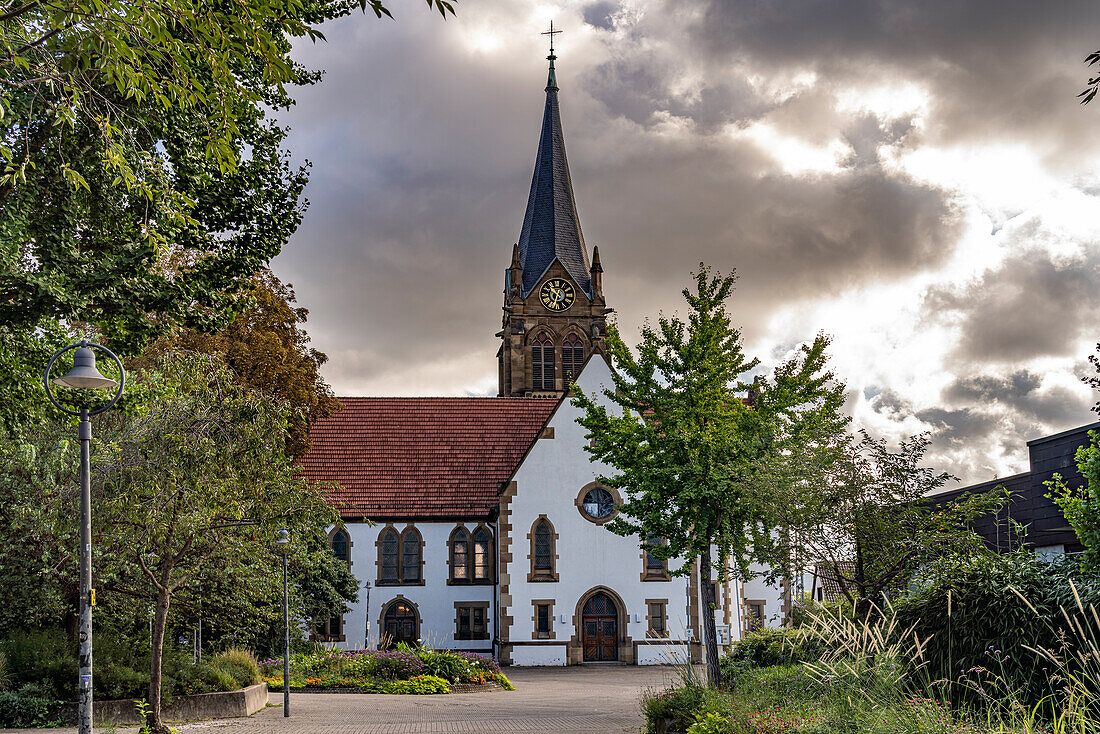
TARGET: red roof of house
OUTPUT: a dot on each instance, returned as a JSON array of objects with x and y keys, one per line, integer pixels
[{"x": 422, "y": 457}]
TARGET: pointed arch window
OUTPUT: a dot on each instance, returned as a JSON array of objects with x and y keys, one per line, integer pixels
[
  {"x": 483, "y": 555},
  {"x": 542, "y": 362},
  {"x": 410, "y": 555},
  {"x": 341, "y": 546},
  {"x": 460, "y": 555},
  {"x": 543, "y": 555},
  {"x": 572, "y": 357},
  {"x": 388, "y": 551}
]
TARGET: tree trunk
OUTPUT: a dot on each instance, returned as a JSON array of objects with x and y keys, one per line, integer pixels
[
  {"x": 710, "y": 639},
  {"x": 156, "y": 658}
]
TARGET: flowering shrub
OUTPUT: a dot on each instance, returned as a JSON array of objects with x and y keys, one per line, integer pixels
[{"x": 405, "y": 670}]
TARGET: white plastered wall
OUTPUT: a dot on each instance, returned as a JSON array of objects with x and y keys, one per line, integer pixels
[{"x": 548, "y": 483}]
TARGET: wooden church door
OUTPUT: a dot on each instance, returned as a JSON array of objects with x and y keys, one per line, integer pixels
[
  {"x": 600, "y": 629},
  {"x": 400, "y": 624}
]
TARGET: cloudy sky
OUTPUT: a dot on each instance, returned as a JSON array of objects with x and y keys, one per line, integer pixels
[{"x": 917, "y": 180}]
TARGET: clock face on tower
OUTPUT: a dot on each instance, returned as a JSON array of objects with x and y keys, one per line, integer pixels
[{"x": 556, "y": 294}]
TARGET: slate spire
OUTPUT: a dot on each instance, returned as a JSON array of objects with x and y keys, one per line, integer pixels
[{"x": 551, "y": 227}]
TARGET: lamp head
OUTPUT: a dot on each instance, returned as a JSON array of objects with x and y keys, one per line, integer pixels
[
  {"x": 84, "y": 375},
  {"x": 283, "y": 540}
]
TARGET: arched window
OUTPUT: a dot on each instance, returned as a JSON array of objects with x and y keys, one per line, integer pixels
[
  {"x": 388, "y": 551},
  {"x": 460, "y": 555},
  {"x": 410, "y": 555},
  {"x": 542, "y": 551},
  {"x": 340, "y": 546},
  {"x": 542, "y": 362},
  {"x": 572, "y": 357},
  {"x": 543, "y": 560},
  {"x": 483, "y": 555}
]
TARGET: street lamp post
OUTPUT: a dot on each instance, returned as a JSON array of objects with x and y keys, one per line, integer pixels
[
  {"x": 85, "y": 376},
  {"x": 366, "y": 625},
  {"x": 282, "y": 547}
]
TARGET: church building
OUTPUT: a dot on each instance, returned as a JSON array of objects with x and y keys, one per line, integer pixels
[{"x": 478, "y": 523}]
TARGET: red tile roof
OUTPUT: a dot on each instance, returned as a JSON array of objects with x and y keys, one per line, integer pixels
[{"x": 422, "y": 457}]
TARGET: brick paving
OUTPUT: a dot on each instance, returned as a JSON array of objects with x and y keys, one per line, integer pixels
[{"x": 577, "y": 700}]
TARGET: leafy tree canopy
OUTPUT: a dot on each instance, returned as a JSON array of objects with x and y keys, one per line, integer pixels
[
  {"x": 267, "y": 350},
  {"x": 188, "y": 491},
  {"x": 143, "y": 182},
  {"x": 864, "y": 517}
]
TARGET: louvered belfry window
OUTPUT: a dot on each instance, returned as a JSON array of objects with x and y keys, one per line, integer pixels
[
  {"x": 542, "y": 362},
  {"x": 572, "y": 357}
]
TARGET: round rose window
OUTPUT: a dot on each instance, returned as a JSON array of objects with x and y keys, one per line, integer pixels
[{"x": 598, "y": 503}]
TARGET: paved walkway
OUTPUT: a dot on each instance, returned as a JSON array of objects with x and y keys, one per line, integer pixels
[{"x": 577, "y": 700}]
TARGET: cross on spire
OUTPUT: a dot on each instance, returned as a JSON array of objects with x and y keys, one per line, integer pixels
[
  {"x": 552, "y": 79},
  {"x": 551, "y": 33}
]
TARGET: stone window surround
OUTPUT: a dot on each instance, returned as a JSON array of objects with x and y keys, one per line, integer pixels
[
  {"x": 390, "y": 603},
  {"x": 541, "y": 576},
  {"x": 400, "y": 556},
  {"x": 558, "y": 340},
  {"x": 649, "y": 574},
  {"x": 579, "y": 502},
  {"x": 472, "y": 605},
  {"x": 351, "y": 543},
  {"x": 650, "y": 632},
  {"x": 470, "y": 580},
  {"x": 535, "y": 604}
]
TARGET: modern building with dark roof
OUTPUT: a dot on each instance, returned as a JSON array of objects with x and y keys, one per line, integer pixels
[{"x": 1045, "y": 529}]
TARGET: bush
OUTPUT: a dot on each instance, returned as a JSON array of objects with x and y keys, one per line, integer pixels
[
  {"x": 28, "y": 708},
  {"x": 979, "y": 637},
  {"x": 765, "y": 648},
  {"x": 240, "y": 664},
  {"x": 45, "y": 658},
  {"x": 420, "y": 685},
  {"x": 396, "y": 665},
  {"x": 675, "y": 706}
]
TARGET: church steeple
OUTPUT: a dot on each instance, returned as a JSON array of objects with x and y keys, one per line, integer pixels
[
  {"x": 555, "y": 316},
  {"x": 551, "y": 227}
]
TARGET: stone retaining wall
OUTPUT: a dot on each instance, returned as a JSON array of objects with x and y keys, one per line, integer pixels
[{"x": 230, "y": 704}]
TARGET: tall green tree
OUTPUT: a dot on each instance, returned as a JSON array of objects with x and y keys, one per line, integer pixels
[
  {"x": 689, "y": 438},
  {"x": 202, "y": 477},
  {"x": 863, "y": 516}
]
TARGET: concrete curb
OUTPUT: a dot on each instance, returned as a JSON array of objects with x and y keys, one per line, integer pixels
[{"x": 227, "y": 705}]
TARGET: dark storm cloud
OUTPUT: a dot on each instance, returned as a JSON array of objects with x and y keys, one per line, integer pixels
[
  {"x": 1032, "y": 305},
  {"x": 994, "y": 388},
  {"x": 995, "y": 68}
]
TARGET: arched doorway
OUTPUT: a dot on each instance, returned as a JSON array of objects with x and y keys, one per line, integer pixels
[
  {"x": 400, "y": 623},
  {"x": 600, "y": 628}
]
